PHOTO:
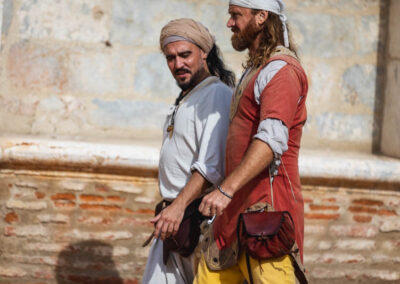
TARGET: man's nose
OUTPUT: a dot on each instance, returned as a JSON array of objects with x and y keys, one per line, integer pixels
[
  {"x": 230, "y": 23},
  {"x": 179, "y": 63}
]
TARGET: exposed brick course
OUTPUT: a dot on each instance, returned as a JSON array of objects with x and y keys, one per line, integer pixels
[{"x": 80, "y": 232}]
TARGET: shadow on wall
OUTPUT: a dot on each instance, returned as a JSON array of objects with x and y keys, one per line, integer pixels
[
  {"x": 87, "y": 262},
  {"x": 381, "y": 77}
]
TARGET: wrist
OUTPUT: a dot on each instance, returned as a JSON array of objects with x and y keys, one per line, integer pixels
[
  {"x": 179, "y": 203},
  {"x": 228, "y": 187},
  {"x": 224, "y": 192}
]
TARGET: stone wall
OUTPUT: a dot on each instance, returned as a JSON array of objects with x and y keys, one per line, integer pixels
[
  {"x": 81, "y": 227},
  {"x": 92, "y": 70}
]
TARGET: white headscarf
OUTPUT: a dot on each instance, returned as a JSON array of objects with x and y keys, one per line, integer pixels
[{"x": 274, "y": 6}]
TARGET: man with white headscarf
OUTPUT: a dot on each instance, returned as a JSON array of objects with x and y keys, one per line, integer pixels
[
  {"x": 267, "y": 116},
  {"x": 193, "y": 148}
]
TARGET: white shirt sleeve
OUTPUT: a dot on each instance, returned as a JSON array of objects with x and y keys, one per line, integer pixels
[
  {"x": 271, "y": 131},
  {"x": 213, "y": 117}
]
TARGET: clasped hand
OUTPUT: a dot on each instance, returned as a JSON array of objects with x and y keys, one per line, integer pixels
[
  {"x": 167, "y": 222},
  {"x": 214, "y": 203}
]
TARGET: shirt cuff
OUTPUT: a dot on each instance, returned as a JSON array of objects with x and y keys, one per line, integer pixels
[
  {"x": 211, "y": 174},
  {"x": 276, "y": 135}
]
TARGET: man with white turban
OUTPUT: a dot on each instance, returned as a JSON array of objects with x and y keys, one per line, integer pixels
[
  {"x": 193, "y": 148},
  {"x": 267, "y": 115}
]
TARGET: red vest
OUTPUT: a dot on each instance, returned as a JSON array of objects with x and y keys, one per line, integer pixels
[{"x": 283, "y": 98}]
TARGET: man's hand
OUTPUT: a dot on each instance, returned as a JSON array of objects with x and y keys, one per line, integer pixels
[
  {"x": 168, "y": 221},
  {"x": 214, "y": 203}
]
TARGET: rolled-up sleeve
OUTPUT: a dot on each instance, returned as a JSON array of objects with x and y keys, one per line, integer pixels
[
  {"x": 276, "y": 135},
  {"x": 212, "y": 129}
]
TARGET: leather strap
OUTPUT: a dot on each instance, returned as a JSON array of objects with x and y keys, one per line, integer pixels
[
  {"x": 298, "y": 271},
  {"x": 249, "y": 268}
]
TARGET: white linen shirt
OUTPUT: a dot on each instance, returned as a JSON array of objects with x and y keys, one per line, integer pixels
[{"x": 198, "y": 140}]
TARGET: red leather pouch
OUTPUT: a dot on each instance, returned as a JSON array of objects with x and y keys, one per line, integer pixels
[{"x": 266, "y": 235}]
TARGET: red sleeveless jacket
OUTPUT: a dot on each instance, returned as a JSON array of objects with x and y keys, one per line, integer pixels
[{"x": 283, "y": 98}]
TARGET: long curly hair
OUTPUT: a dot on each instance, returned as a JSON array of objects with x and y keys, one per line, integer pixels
[{"x": 271, "y": 37}]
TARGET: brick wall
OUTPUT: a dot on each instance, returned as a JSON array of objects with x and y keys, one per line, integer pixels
[
  {"x": 75, "y": 227},
  {"x": 352, "y": 234},
  {"x": 86, "y": 227}
]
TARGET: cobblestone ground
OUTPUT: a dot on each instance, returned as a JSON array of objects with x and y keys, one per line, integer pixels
[{"x": 87, "y": 228}]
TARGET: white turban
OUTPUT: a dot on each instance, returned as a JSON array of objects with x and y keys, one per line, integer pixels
[{"x": 274, "y": 6}]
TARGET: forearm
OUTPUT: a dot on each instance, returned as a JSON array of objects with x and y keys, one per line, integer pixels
[
  {"x": 169, "y": 220},
  {"x": 193, "y": 189},
  {"x": 256, "y": 159}
]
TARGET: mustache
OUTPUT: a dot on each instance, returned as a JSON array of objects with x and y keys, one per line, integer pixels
[
  {"x": 235, "y": 30},
  {"x": 182, "y": 71}
]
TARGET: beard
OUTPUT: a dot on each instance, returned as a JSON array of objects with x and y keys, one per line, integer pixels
[
  {"x": 242, "y": 40},
  {"x": 193, "y": 81}
]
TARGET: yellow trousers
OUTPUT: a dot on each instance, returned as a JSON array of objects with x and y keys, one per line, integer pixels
[{"x": 276, "y": 271}]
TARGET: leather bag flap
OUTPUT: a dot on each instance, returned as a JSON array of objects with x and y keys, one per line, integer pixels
[{"x": 263, "y": 223}]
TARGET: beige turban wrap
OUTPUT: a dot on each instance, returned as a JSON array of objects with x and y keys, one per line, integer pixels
[{"x": 188, "y": 30}]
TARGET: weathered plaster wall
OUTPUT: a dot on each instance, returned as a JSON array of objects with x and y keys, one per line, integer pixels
[
  {"x": 391, "y": 115},
  {"x": 92, "y": 70}
]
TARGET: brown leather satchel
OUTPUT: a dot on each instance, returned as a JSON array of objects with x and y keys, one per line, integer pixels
[
  {"x": 268, "y": 234},
  {"x": 187, "y": 237}
]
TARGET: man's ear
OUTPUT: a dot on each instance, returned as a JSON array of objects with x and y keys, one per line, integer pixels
[
  {"x": 204, "y": 55},
  {"x": 261, "y": 17}
]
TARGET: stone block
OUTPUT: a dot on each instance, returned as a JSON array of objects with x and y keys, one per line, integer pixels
[
  {"x": 321, "y": 83},
  {"x": 47, "y": 247},
  {"x": 53, "y": 218},
  {"x": 324, "y": 245},
  {"x": 59, "y": 114},
  {"x": 342, "y": 258},
  {"x": 215, "y": 17},
  {"x": 76, "y": 20},
  {"x": 12, "y": 272},
  {"x": 126, "y": 187},
  {"x": 315, "y": 229},
  {"x": 101, "y": 71},
  {"x": 382, "y": 275},
  {"x": 8, "y": 14},
  {"x": 358, "y": 84},
  {"x": 356, "y": 244},
  {"x": 153, "y": 78},
  {"x": 129, "y": 114},
  {"x": 139, "y": 22},
  {"x": 340, "y": 5},
  {"x": 312, "y": 32},
  {"x": 369, "y": 34},
  {"x": 310, "y": 258},
  {"x": 27, "y": 231},
  {"x": 73, "y": 185},
  {"x": 26, "y": 205},
  {"x": 366, "y": 231},
  {"x": 391, "y": 224},
  {"x": 95, "y": 220},
  {"x": 344, "y": 127},
  {"x": 36, "y": 67}
]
